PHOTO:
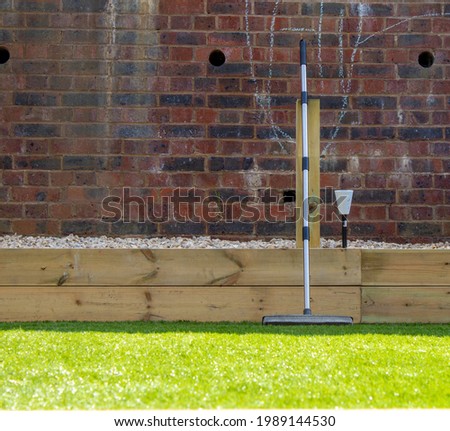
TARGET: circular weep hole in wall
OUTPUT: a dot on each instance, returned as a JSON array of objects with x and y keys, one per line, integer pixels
[
  {"x": 4, "y": 55},
  {"x": 426, "y": 59},
  {"x": 217, "y": 58}
]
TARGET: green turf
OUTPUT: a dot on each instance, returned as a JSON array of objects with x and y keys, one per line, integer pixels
[{"x": 191, "y": 365}]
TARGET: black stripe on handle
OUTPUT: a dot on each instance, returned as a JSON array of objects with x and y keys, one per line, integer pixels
[
  {"x": 305, "y": 232},
  {"x": 303, "y": 52},
  {"x": 304, "y": 97},
  {"x": 305, "y": 163}
]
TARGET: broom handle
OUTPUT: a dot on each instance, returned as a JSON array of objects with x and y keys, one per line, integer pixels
[{"x": 305, "y": 174}]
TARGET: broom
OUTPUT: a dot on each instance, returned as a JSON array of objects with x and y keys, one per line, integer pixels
[{"x": 307, "y": 318}]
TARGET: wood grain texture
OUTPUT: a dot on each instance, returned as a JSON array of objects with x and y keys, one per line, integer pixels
[
  {"x": 405, "y": 267},
  {"x": 222, "y": 285},
  {"x": 203, "y": 304},
  {"x": 405, "y": 304},
  {"x": 90, "y": 267}
]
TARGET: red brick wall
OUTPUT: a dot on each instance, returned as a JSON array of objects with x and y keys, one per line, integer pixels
[{"x": 117, "y": 100}]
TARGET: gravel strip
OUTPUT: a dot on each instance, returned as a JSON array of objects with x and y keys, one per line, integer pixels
[{"x": 204, "y": 242}]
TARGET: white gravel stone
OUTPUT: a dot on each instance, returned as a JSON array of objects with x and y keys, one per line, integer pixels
[{"x": 204, "y": 242}]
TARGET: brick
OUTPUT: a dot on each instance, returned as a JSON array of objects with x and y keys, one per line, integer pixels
[
  {"x": 4, "y": 194},
  {"x": 84, "y": 5},
  {"x": 84, "y": 227},
  {"x": 422, "y": 181},
  {"x": 6, "y": 36},
  {"x": 372, "y": 133},
  {"x": 129, "y": 37},
  {"x": 204, "y": 22},
  {"x": 230, "y": 228},
  {"x": 87, "y": 130},
  {"x": 277, "y": 229},
  {"x": 372, "y": 230},
  {"x": 235, "y": 69},
  {"x": 42, "y": 163},
  {"x": 418, "y": 133},
  {"x": 133, "y": 228},
  {"x": 188, "y": 228},
  {"x": 276, "y": 70},
  {"x": 282, "y": 101},
  {"x": 36, "y": 211},
  {"x": 84, "y": 178},
  {"x": 34, "y": 99},
  {"x": 276, "y": 164},
  {"x": 418, "y": 40},
  {"x": 422, "y": 213},
  {"x": 182, "y": 7},
  {"x": 373, "y": 42},
  {"x": 227, "y": 102},
  {"x": 418, "y": 72},
  {"x": 35, "y": 194},
  {"x": 205, "y": 84},
  {"x": 5, "y": 162},
  {"x": 175, "y": 100},
  {"x": 414, "y": 197},
  {"x": 350, "y": 181},
  {"x": 84, "y": 99},
  {"x": 12, "y": 178},
  {"x": 227, "y": 39},
  {"x": 423, "y": 165},
  {"x": 183, "y": 164},
  {"x": 5, "y": 227},
  {"x": 230, "y": 163},
  {"x": 38, "y": 6},
  {"x": 374, "y": 196},
  {"x": 365, "y": 10},
  {"x": 37, "y": 67},
  {"x": 36, "y": 36},
  {"x": 371, "y": 70},
  {"x": 332, "y": 9},
  {"x": 229, "y": 23},
  {"x": 375, "y": 102},
  {"x": 5, "y": 5},
  {"x": 334, "y": 133},
  {"x": 136, "y": 131},
  {"x": 183, "y": 38},
  {"x": 183, "y": 131},
  {"x": 222, "y": 7},
  {"x": 332, "y": 102},
  {"x": 231, "y": 132},
  {"x": 333, "y": 165},
  {"x": 230, "y": 117},
  {"x": 442, "y": 181},
  {"x": 10, "y": 211},
  {"x": 274, "y": 133},
  {"x": 36, "y": 130},
  {"x": 180, "y": 69},
  {"x": 90, "y": 163},
  {"x": 419, "y": 230},
  {"x": 134, "y": 99}
]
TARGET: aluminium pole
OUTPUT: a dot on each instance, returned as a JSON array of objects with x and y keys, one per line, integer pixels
[{"x": 305, "y": 179}]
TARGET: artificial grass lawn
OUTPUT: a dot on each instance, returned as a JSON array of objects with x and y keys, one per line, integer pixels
[{"x": 148, "y": 365}]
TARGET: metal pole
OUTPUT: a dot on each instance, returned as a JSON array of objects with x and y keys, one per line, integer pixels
[
  {"x": 344, "y": 230},
  {"x": 305, "y": 175}
]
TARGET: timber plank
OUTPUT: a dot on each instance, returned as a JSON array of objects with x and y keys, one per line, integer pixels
[
  {"x": 405, "y": 304},
  {"x": 405, "y": 267},
  {"x": 206, "y": 304},
  {"x": 314, "y": 172},
  {"x": 115, "y": 267}
]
